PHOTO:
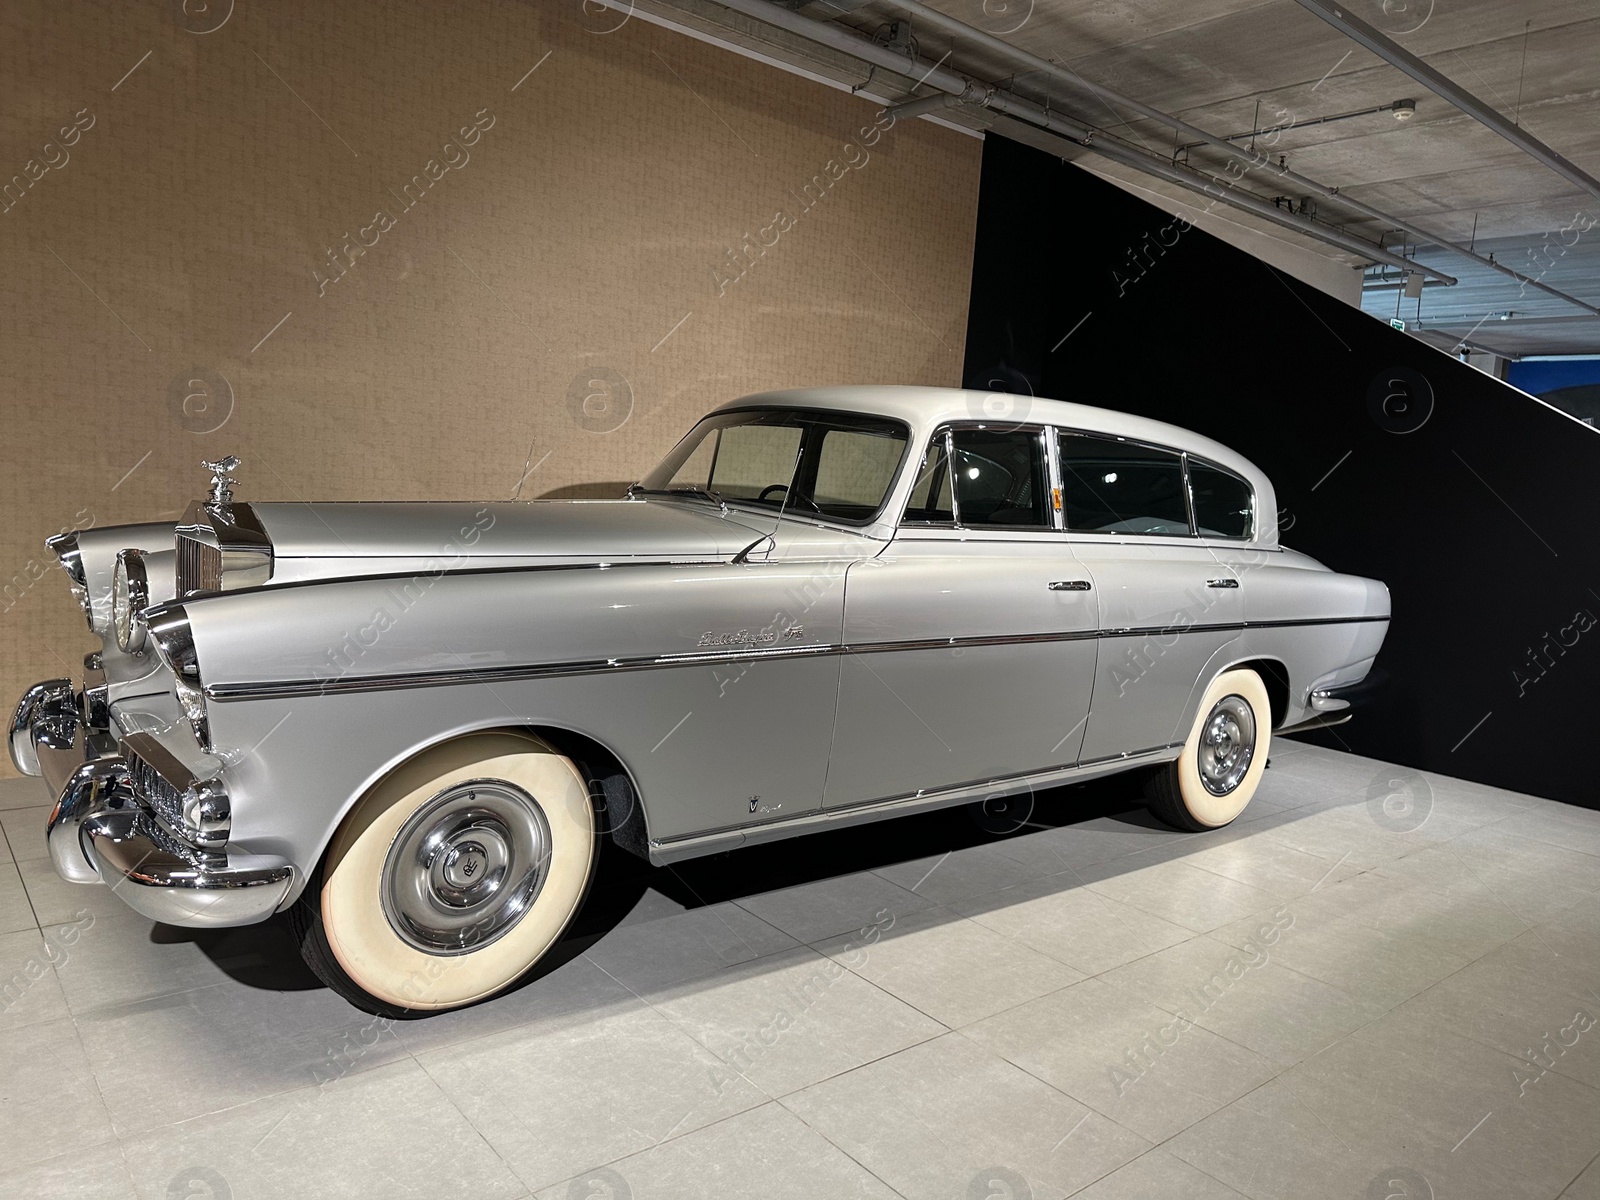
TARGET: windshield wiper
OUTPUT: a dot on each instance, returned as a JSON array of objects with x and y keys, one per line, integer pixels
[{"x": 635, "y": 489}]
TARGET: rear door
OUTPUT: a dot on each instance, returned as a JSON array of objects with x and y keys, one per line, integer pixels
[{"x": 1168, "y": 604}]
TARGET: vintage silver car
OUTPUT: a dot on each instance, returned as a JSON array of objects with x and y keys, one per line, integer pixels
[{"x": 409, "y": 725}]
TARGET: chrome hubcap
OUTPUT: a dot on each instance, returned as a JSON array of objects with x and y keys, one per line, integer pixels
[
  {"x": 466, "y": 866},
  {"x": 1227, "y": 744}
]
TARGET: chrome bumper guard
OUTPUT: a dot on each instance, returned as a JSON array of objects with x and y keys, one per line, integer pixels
[{"x": 100, "y": 830}]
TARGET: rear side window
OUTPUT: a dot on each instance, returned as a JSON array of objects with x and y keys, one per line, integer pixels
[
  {"x": 1112, "y": 486},
  {"x": 999, "y": 479},
  {"x": 1224, "y": 505}
]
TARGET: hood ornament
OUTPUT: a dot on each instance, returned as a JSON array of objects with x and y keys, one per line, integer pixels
[{"x": 221, "y": 481}]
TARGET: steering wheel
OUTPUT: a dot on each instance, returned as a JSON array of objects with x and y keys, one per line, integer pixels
[{"x": 784, "y": 487}]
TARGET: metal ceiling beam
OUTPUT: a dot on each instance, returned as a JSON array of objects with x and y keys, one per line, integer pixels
[
  {"x": 1397, "y": 55},
  {"x": 1032, "y": 62},
  {"x": 966, "y": 90}
]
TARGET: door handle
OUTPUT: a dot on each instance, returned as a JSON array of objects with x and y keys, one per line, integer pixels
[
  {"x": 1070, "y": 585},
  {"x": 1222, "y": 583}
]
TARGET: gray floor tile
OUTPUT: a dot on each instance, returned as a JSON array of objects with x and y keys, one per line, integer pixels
[
  {"x": 384, "y": 1134},
  {"x": 767, "y": 1152},
  {"x": 24, "y": 830},
  {"x": 793, "y": 1019},
  {"x": 954, "y": 970},
  {"x": 23, "y": 793},
  {"x": 572, "y": 993},
  {"x": 30, "y": 993},
  {"x": 15, "y": 911},
  {"x": 557, "y": 1102},
  {"x": 935, "y": 1121},
  {"x": 810, "y": 912},
  {"x": 959, "y": 873},
  {"x": 1384, "y": 968},
  {"x": 649, "y": 955},
  {"x": 1557, "y": 958},
  {"x": 1270, "y": 1146},
  {"x": 54, "y": 900},
  {"x": 1247, "y": 997},
  {"x": 1185, "y": 895},
  {"x": 48, "y": 1098},
  {"x": 1083, "y": 928},
  {"x": 88, "y": 1173},
  {"x": 1450, "y": 1091},
  {"x": 1280, "y": 870},
  {"x": 123, "y": 958},
  {"x": 1482, "y": 873},
  {"x": 183, "y": 1055},
  {"x": 1492, "y": 1001},
  {"x": 1157, "y": 1175},
  {"x": 1103, "y": 839},
  {"x": 1585, "y": 1186},
  {"x": 1125, "y": 1058},
  {"x": 1542, "y": 858}
]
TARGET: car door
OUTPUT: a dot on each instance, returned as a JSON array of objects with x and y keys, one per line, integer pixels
[
  {"x": 969, "y": 641},
  {"x": 1168, "y": 604}
]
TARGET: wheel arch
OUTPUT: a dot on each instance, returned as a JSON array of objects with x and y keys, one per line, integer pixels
[
  {"x": 1275, "y": 676},
  {"x": 616, "y": 796}
]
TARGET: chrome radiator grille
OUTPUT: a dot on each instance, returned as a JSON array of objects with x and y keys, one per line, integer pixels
[
  {"x": 199, "y": 566},
  {"x": 153, "y": 792}
]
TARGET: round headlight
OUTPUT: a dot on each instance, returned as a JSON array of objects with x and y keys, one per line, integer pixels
[{"x": 130, "y": 596}]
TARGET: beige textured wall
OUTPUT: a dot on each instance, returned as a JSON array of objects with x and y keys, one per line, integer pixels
[{"x": 587, "y": 229}]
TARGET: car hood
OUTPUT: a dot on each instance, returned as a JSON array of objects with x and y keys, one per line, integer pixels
[{"x": 318, "y": 540}]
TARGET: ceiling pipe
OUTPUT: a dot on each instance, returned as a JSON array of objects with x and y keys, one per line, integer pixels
[
  {"x": 1396, "y": 55},
  {"x": 957, "y": 29},
  {"x": 902, "y": 62}
]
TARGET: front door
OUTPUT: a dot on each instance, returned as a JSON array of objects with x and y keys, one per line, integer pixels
[{"x": 969, "y": 642}]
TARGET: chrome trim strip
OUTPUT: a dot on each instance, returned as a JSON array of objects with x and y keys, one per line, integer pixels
[{"x": 518, "y": 672}]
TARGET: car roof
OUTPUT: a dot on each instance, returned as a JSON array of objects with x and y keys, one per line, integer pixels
[{"x": 927, "y": 408}]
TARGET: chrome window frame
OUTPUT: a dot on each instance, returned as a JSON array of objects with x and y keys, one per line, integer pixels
[
  {"x": 1041, "y": 433},
  {"x": 743, "y": 504},
  {"x": 1194, "y": 518},
  {"x": 1183, "y": 460}
]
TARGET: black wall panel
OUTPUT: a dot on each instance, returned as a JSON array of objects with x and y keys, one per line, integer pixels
[{"x": 1476, "y": 504}]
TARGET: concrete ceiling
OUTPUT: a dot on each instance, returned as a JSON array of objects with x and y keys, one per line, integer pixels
[{"x": 1234, "y": 65}]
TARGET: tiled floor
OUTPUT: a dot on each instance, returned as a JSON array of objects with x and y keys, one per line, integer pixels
[{"x": 1340, "y": 996}]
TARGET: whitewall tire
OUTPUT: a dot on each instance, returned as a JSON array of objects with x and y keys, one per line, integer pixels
[
  {"x": 1223, "y": 759},
  {"x": 452, "y": 877}
]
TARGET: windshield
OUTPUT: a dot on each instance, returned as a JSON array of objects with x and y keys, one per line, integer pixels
[{"x": 834, "y": 465}]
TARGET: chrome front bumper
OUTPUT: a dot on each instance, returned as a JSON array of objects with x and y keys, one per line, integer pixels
[{"x": 100, "y": 832}]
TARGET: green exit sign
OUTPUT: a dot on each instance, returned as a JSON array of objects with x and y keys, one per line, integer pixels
[{"x": 1398, "y": 324}]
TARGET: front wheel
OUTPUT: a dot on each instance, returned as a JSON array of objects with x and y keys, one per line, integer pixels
[
  {"x": 452, "y": 877},
  {"x": 1223, "y": 758}
]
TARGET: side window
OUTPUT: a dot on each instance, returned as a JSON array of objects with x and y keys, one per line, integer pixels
[
  {"x": 930, "y": 501},
  {"x": 999, "y": 479},
  {"x": 1114, "y": 486},
  {"x": 1224, "y": 505}
]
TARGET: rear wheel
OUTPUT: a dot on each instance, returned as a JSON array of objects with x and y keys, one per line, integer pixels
[
  {"x": 1220, "y": 768},
  {"x": 452, "y": 877}
]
